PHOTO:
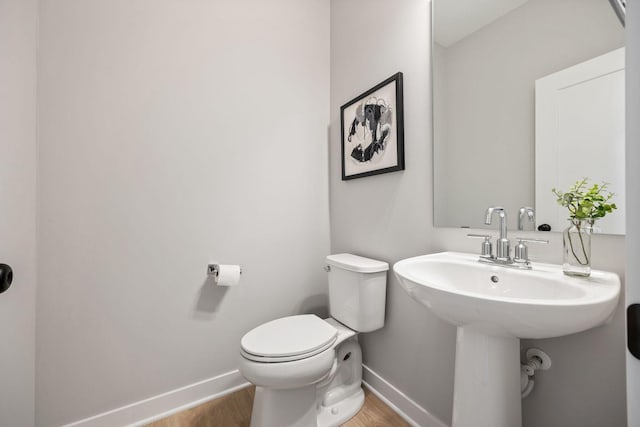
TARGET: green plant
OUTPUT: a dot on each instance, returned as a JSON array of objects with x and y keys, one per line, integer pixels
[{"x": 586, "y": 202}]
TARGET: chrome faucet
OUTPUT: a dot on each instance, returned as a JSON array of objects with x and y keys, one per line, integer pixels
[
  {"x": 503, "y": 255},
  {"x": 502, "y": 243},
  {"x": 527, "y": 213}
]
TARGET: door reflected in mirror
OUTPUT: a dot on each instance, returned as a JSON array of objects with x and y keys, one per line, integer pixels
[{"x": 486, "y": 60}]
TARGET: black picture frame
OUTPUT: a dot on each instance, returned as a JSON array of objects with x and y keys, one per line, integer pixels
[{"x": 372, "y": 131}]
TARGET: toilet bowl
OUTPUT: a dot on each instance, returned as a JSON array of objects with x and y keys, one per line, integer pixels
[
  {"x": 308, "y": 371},
  {"x": 291, "y": 352}
]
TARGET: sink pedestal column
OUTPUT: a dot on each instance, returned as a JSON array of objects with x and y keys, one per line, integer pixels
[{"x": 487, "y": 381}]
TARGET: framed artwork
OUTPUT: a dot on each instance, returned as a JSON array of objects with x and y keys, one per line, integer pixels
[{"x": 372, "y": 131}]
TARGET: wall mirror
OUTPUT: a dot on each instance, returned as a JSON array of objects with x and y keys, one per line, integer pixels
[{"x": 527, "y": 95}]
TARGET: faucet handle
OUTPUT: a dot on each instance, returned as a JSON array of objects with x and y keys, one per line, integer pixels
[
  {"x": 521, "y": 252},
  {"x": 486, "y": 248},
  {"x": 527, "y": 240}
]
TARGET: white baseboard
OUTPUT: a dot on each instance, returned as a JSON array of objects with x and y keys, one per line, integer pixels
[
  {"x": 413, "y": 413},
  {"x": 165, "y": 404}
]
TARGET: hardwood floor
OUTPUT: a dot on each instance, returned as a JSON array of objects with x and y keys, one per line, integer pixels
[
  {"x": 375, "y": 413},
  {"x": 234, "y": 410}
]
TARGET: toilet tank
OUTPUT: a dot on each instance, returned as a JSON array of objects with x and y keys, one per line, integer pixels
[{"x": 357, "y": 291}]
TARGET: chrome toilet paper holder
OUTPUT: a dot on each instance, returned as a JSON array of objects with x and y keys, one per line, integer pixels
[{"x": 214, "y": 269}]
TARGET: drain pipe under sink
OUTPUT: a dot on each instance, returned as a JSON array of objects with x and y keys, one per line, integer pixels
[{"x": 536, "y": 359}]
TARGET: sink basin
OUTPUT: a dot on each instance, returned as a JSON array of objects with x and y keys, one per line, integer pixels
[
  {"x": 537, "y": 303},
  {"x": 493, "y": 307}
]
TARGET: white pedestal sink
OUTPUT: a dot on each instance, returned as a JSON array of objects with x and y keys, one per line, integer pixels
[{"x": 493, "y": 308}]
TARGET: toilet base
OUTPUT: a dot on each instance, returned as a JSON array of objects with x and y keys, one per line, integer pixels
[
  {"x": 342, "y": 411},
  {"x": 328, "y": 401},
  {"x": 288, "y": 407},
  {"x": 301, "y": 410}
]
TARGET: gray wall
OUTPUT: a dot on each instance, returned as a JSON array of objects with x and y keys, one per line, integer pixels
[
  {"x": 173, "y": 133},
  {"x": 390, "y": 217},
  {"x": 487, "y": 81},
  {"x": 145, "y": 176},
  {"x": 18, "y": 34},
  {"x": 633, "y": 197}
]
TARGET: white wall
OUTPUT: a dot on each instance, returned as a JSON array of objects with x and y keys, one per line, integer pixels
[
  {"x": 18, "y": 36},
  {"x": 173, "y": 133},
  {"x": 390, "y": 217}
]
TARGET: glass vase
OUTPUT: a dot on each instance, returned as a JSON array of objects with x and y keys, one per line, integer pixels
[{"x": 576, "y": 240}]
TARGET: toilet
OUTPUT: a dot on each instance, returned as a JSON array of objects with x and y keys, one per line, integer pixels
[{"x": 308, "y": 370}]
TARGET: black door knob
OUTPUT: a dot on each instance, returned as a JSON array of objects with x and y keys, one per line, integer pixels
[{"x": 6, "y": 277}]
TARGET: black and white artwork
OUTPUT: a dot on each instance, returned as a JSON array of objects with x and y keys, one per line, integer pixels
[{"x": 372, "y": 131}]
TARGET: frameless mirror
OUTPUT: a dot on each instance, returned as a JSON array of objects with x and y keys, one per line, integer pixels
[{"x": 527, "y": 95}]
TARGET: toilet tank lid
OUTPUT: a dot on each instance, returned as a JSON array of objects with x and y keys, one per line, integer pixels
[{"x": 357, "y": 263}]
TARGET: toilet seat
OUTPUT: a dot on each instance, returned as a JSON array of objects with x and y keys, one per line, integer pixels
[{"x": 288, "y": 339}]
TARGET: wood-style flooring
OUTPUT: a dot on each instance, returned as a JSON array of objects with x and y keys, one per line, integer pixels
[{"x": 234, "y": 410}]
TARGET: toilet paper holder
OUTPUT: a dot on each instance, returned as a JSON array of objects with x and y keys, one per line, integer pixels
[{"x": 214, "y": 269}]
